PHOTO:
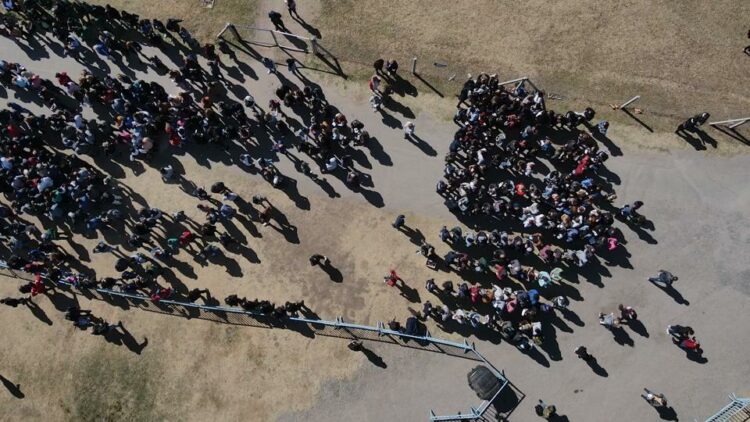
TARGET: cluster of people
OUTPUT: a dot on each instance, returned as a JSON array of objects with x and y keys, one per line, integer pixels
[
  {"x": 266, "y": 307},
  {"x": 563, "y": 220},
  {"x": 71, "y": 196},
  {"x": 490, "y": 175},
  {"x": 516, "y": 315},
  {"x": 684, "y": 338},
  {"x": 381, "y": 82},
  {"x": 83, "y": 319}
]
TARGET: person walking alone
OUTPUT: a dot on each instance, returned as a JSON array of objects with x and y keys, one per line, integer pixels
[
  {"x": 400, "y": 222},
  {"x": 317, "y": 259},
  {"x": 664, "y": 277},
  {"x": 291, "y": 6},
  {"x": 408, "y": 130}
]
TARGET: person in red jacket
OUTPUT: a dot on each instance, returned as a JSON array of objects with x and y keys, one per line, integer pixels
[
  {"x": 186, "y": 237},
  {"x": 62, "y": 78},
  {"x": 391, "y": 279},
  {"x": 38, "y": 287}
]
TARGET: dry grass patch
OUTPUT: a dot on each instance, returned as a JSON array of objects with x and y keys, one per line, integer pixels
[
  {"x": 682, "y": 57},
  {"x": 204, "y": 23}
]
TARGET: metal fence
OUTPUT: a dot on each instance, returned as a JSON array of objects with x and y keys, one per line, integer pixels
[
  {"x": 309, "y": 327},
  {"x": 270, "y": 38},
  {"x": 738, "y": 410}
]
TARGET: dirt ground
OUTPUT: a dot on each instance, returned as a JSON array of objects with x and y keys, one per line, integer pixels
[
  {"x": 203, "y": 22},
  {"x": 681, "y": 57},
  {"x": 193, "y": 370}
]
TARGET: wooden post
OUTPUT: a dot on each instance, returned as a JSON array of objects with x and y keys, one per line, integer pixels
[{"x": 414, "y": 66}]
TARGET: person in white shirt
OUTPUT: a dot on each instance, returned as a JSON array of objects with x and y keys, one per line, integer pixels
[{"x": 408, "y": 130}]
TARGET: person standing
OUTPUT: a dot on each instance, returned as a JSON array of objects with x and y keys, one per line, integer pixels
[
  {"x": 376, "y": 102},
  {"x": 316, "y": 259},
  {"x": 654, "y": 399},
  {"x": 627, "y": 313},
  {"x": 355, "y": 346},
  {"x": 426, "y": 309},
  {"x": 196, "y": 294},
  {"x": 400, "y": 222},
  {"x": 431, "y": 287},
  {"x": 664, "y": 277},
  {"x": 583, "y": 353},
  {"x": 291, "y": 65},
  {"x": 544, "y": 410},
  {"x": 291, "y": 6},
  {"x": 374, "y": 84},
  {"x": 408, "y": 130},
  {"x": 392, "y": 67},
  {"x": 392, "y": 279},
  {"x": 269, "y": 65},
  {"x": 276, "y": 20},
  {"x": 603, "y": 127},
  {"x": 378, "y": 66}
]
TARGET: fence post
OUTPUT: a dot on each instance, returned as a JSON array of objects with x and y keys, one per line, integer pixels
[
  {"x": 738, "y": 123},
  {"x": 223, "y": 30},
  {"x": 630, "y": 101},
  {"x": 275, "y": 41},
  {"x": 733, "y": 123},
  {"x": 414, "y": 66},
  {"x": 314, "y": 44}
]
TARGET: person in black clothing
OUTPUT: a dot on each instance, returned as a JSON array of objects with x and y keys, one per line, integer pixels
[
  {"x": 692, "y": 124},
  {"x": 378, "y": 66},
  {"x": 173, "y": 24},
  {"x": 102, "y": 328},
  {"x": 582, "y": 353},
  {"x": 392, "y": 67},
  {"x": 355, "y": 346},
  {"x": 196, "y": 294},
  {"x": 317, "y": 259},
  {"x": 73, "y": 313},
  {"x": 276, "y": 20}
]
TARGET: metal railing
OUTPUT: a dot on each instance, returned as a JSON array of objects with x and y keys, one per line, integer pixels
[
  {"x": 305, "y": 326},
  {"x": 738, "y": 410},
  {"x": 732, "y": 123},
  {"x": 276, "y": 38}
]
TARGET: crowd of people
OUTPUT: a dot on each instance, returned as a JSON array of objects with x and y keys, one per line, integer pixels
[
  {"x": 490, "y": 179},
  {"x": 552, "y": 226},
  {"x": 43, "y": 175}
]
